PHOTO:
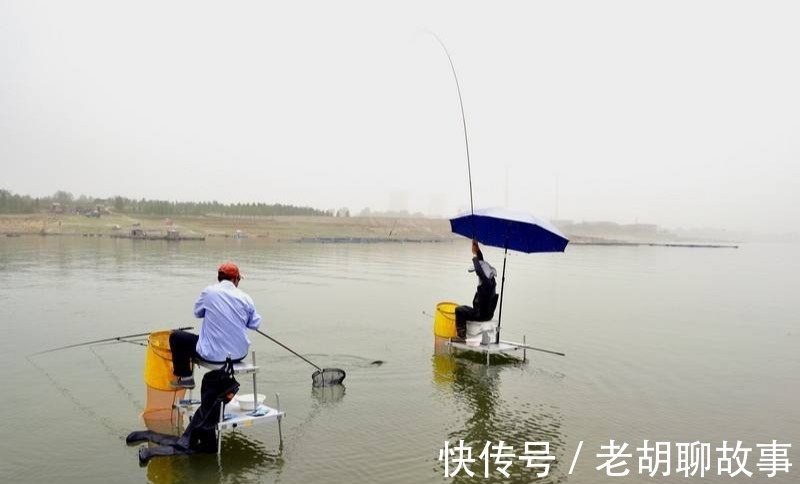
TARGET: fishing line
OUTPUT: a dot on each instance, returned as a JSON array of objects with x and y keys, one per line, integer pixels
[
  {"x": 131, "y": 398},
  {"x": 104, "y": 421}
]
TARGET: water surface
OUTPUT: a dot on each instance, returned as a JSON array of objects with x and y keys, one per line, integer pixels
[{"x": 663, "y": 344}]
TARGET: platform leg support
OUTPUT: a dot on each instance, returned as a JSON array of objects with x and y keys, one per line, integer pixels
[
  {"x": 280, "y": 431},
  {"x": 219, "y": 430},
  {"x": 255, "y": 393},
  {"x": 524, "y": 350}
]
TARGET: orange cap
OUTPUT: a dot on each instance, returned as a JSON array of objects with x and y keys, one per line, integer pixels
[{"x": 229, "y": 269}]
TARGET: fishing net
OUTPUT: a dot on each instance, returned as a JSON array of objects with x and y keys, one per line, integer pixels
[{"x": 327, "y": 377}]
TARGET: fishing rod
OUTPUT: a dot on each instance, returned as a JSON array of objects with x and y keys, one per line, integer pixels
[
  {"x": 105, "y": 340},
  {"x": 288, "y": 349},
  {"x": 323, "y": 377},
  {"x": 463, "y": 118}
]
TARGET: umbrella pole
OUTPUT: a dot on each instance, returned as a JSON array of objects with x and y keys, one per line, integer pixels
[{"x": 502, "y": 286}]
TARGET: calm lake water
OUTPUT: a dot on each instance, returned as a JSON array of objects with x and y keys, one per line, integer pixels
[{"x": 663, "y": 344}]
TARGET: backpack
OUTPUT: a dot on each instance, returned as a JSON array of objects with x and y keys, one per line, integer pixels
[{"x": 218, "y": 388}]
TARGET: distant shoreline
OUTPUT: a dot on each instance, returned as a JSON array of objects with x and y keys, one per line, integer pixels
[{"x": 301, "y": 229}]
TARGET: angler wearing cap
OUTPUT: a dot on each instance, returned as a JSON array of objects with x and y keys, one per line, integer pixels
[{"x": 227, "y": 314}]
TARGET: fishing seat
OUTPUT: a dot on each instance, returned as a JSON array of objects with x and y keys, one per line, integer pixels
[
  {"x": 239, "y": 368},
  {"x": 477, "y": 328}
]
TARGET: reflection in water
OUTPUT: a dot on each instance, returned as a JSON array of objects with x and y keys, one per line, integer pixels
[
  {"x": 242, "y": 461},
  {"x": 323, "y": 397},
  {"x": 475, "y": 386},
  {"x": 328, "y": 395}
]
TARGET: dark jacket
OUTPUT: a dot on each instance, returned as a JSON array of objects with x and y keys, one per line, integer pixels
[{"x": 486, "y": 289}]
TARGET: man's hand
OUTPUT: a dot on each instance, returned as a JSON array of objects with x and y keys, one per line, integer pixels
[{"x": 475, "y": 248}]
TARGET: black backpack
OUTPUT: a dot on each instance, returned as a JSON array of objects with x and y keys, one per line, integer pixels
[{"x": 218, "y": 388}]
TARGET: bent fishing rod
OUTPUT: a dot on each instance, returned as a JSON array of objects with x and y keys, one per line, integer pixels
[
  {"x": 105, "y": 340},
  {"x": 463, "y": 118}
]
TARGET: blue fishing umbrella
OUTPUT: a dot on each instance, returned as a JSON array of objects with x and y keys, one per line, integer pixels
[{"x": 508, "y": 229}]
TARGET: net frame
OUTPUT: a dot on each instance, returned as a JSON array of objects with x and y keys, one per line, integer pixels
[{"x": 328, "y": 377}]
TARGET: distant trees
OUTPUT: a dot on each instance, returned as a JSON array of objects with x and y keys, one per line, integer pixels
[
  {"x": 62, "y": 197},
  {"x": 12, "y": 203},
  {"x": 163, "y": 207}
]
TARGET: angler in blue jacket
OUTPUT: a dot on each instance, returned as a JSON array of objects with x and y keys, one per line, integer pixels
[{"x": 227, "y": 314}]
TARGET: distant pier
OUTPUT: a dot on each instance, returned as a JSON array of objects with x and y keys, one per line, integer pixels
[{"x": 687, "y": 245}]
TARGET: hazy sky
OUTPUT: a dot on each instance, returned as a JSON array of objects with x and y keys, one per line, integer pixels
[{"x": 677, "y": 113}]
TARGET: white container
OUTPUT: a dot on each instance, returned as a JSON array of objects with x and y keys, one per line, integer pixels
[
  {"x": 246, "y": 401},
  {"x": 474, "y": 328},
  {"x": 480, "y": 332}
]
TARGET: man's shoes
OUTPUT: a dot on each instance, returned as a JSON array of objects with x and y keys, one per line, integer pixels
[{"x": 183, "y": 382}]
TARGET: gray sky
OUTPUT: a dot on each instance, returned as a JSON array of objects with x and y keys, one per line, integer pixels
[{"x": 676, "y": 113}]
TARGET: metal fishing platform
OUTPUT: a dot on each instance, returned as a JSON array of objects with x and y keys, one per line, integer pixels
[
  {"x": 232, "y": 416},
  {"x": 503, "y": 347},
  {"x": 484, "y": 337}
]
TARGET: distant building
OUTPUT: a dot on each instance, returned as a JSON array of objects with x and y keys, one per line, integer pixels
[{"x": 641, "y": 229}]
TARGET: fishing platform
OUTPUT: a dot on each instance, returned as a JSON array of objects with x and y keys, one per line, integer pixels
[
  {"x": 481, "y": 336},
  {"x": 239, "y": 412},
  {"x": 503, "y": 347}
]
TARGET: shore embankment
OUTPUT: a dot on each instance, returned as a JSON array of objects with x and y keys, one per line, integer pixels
[
  {"x": 277, "y": 228},
  {"x": 307, "y": 229}
]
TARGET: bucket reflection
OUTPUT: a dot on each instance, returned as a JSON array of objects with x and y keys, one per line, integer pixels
[{"x": 475, "y": 389}]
